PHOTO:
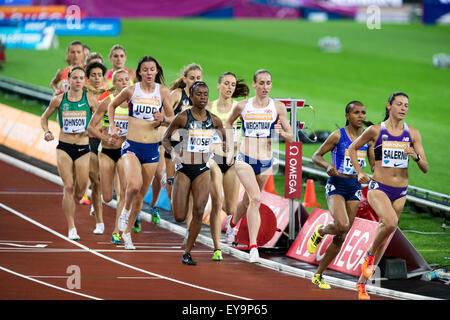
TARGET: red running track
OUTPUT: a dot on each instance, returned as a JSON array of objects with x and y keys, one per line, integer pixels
[{"x": 35, "y": 256}]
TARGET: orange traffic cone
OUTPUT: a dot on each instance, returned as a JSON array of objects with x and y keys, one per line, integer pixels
[
  {"x": 270, "y": 186},
  {"x": 310, "y": 195}
]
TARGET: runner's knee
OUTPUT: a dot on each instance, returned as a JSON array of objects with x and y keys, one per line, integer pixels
[
  {"x": 390, "y": 223},
  {"x": 69, "y": 189},
  {"x": 255, "y": 201},
  {"x": 342, "y": 227}
]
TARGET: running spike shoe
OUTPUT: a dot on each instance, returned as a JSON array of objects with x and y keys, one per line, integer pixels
[
  {"x": 116, "y": 239},
  {"x": 127, "y": 240},
  {"x": 187, "y": 259},
  {"x": 156, "y": 219},
  {"x": 318, "y": 280},
  {"x": 367, "y": 266},
  {"x": 362, "y": 293},
  {"x": 137, "y": 227},
  {"x": 314, "y": 240},
  {"x": 217, "y": 256}
]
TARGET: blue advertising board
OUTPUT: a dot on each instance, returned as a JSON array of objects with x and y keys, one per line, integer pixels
[
  {"x": 17, "y": 38},
  {"x": 95, "y": 27}
]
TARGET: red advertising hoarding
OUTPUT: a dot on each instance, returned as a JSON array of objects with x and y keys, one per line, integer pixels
[{"x": 353, "y": 250}]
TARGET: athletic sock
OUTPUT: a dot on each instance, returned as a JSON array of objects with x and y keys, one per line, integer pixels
[
  {"x": 125, "y": 211},
  {"x": 110, "y": 203}
]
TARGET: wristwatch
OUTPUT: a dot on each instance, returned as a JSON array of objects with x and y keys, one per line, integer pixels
[{"x": 418, "y": 158}]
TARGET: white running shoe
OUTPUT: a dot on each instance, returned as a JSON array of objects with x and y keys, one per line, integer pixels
[
  {"x": 230, "y": 232},
  {"x": 73, "y": 234},
  {"x": 123, "y": 221},
  {"x": 254, "y": 255},
  {"x": 127, "y": 241},
  {"x": 99, "y": 228}
]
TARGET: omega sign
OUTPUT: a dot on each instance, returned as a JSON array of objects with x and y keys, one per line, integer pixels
[{"x": 293, "y": 171}]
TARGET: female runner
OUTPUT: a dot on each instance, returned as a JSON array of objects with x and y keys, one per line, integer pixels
[
  {"x": 109, "y": 154},
  {"x": 118, "y": 58},
  {"x": 74, "y": 108},
  {"x": 192, "y": 162},
  {"x": 75, "y": 57},
  {"x": 140, "y": 151},
  {"x": 394, "y": 144},
  {"x": 224, "y": 181},
  {"x": 261, "y": 118},
  {"x": 343, "y": 191}
]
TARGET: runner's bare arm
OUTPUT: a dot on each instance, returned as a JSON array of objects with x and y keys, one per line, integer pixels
[
  {"x": 124, "y": 95},
  {"x": 54, "y": 83},
  {"x": 367, "y": 136},
  {"x": 326, "y": 147},
  {"x": 93, "y": 126},
  {"x": 285, "y": 131},
  {"x": 417, "y": 152},
  {"x": 53, "y": 105},
  {"x": 218, "y": 125},
  {"x": 177, "y": 123},
  {"x": 167, "y": 107}
]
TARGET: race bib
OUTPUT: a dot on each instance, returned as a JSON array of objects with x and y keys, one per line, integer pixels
[
  {"x": 121, "y": 122},
  {"x": 144, "y": 108},
  {"x": 74, "y": 121},
  {"x": 258, "y": 124},
  {"x": 199, "y": 140},
  {"x": 348, "y": 166},
  {"x": 394, "y": 155}
]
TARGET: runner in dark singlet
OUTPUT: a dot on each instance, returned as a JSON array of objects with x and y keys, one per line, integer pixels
[{"x": 197, "y": 126}]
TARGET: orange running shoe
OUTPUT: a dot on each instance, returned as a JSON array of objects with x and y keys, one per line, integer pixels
[
  {"x": 367, "y": 266},
  {"x": 362, "y": 293}
]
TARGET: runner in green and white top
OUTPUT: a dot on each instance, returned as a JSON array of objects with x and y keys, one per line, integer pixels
[{"x": 74, "y": 108}]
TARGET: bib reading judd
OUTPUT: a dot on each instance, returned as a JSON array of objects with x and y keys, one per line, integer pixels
[{"x": 143, "y": 105}]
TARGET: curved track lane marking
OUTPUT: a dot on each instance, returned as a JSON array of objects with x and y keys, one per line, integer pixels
[
  {"x": 48, "y": 284},
  {"x": 20, "y": 215}
]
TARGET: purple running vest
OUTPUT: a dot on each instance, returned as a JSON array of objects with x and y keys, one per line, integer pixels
[{"x": 391, "y": 149}]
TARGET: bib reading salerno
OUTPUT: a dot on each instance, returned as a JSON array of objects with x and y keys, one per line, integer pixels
[
  {"x": 74, "y": 117},
  {"x": 394, "y": 155}
]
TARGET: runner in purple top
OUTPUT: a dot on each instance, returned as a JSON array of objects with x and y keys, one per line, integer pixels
[{"x": 394, "y": 143}]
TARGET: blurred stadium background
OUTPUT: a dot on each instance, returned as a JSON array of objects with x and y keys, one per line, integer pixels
[{"x": 326, "y": 52}]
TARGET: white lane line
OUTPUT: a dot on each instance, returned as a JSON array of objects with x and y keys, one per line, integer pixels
[
  {"x": 120, "y": 278},
  {"x": 48, "y": 284},
  {"x": 56, "y": 250},
  {"x": 117, "y": 261},
  {"x": 32, "y": 193},
  {"x": 39, "y": 245},
  {"x": 26, "y": 241}
]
